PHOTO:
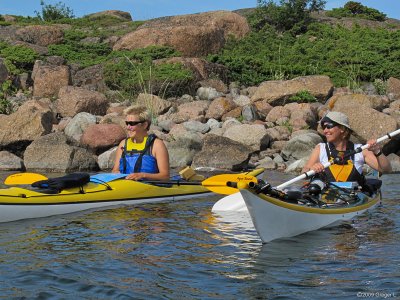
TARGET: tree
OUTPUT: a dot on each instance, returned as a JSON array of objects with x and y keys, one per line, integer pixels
[
  {"x": 292, "y": 15},
  {"x": 54, "y": 12}
]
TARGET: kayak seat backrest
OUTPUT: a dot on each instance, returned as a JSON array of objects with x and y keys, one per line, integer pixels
[{"x": 60, "y": 183}]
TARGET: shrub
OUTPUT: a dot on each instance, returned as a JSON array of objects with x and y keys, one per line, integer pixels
[
  {"x": 293, "y": 15},
  {"x": 54, "y": 12},
  {"x": 357, "y": 10},
  {"x": 133, "y": 72},
  {"x": 6, "y": 89},
  {"x": 18, "y": 58},
  {"x": 303, "y": 96},
  {"x": 83, "y": 54}
]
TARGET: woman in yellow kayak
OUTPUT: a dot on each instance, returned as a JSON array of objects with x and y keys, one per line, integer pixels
[
  {"x": 338, "y": 149},
  {"x": 141, "y": 155}
]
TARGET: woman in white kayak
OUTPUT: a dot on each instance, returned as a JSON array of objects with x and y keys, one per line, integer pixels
[
  {"x": 141, "y": 155},
  {"x": 347, "y": 166}
]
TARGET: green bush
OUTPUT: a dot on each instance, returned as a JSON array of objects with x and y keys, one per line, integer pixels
[
  {"x": 132, "y": 72},
  {"x": 54, "y": 12},
  {"x": 303, "y": 96},
  {"x": 6, "y": 89},
  {"x": 290, "y": 15},
  {"x": 83, "y": 54},
  {"x": 348, "y": 56},
  {"x": 357, "y": 10},
  {"x": 18, "y": 59}
]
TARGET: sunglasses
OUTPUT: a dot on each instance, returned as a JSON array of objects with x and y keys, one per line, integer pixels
[
  {"x": 133, "y": 123},
  {"x": 328, "y": 125}
]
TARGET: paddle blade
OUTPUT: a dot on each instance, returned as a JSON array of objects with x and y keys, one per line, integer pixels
[
  {"x": 233, "y": 202},
  {"x": 24, "y": 178},
  {"x": 227, "y": 183}
]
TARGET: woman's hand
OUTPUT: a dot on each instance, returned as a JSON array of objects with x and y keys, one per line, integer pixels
[
  {"x": 317, "y": 167},
  {"x": 373, "y": 146},
  {"x": 136, "y": 176}
]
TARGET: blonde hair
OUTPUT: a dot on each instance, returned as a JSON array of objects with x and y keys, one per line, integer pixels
[{"x": 141, "y": 111}]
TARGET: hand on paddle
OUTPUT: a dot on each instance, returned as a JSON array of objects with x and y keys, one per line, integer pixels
[{"x": 374, "y": 146}]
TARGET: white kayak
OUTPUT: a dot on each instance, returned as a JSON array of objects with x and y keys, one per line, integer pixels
[{"x": 276, "y": 218}]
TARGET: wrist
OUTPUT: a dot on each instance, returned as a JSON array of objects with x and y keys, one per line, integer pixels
[{"x": 378, "y": 154}]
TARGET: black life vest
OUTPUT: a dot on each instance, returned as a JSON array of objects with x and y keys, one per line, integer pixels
[{"x": 342, "y": 168}]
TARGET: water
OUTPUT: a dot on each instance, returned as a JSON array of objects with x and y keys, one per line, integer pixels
[{"x": 181, "y": 250}]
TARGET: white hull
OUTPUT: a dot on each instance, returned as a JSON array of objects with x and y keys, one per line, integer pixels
[
  {"x": 11, "y": 212},
  {"x": 274, "y": 219}
]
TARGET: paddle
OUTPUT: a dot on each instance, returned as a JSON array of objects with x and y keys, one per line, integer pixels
[
  {"x": 221, "y": 184},
  {"x": 23, "y": 178},
  {"x": 235, "y": 202}
]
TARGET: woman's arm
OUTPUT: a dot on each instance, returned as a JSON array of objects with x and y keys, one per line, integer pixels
[
  {"x": 118, "y": 157},
  {"x": 313, "y": 162},
  {"x": 374, "y": 158}
]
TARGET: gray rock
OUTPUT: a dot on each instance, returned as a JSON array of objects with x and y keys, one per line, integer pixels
[
  {"x": 254, "y": 136},
  {"x": 196, "y": 126},
  {"x": 222, "y": 153},
  {"x": 208, "y": 93},
  {"x": 10, "y": 162},
  {"x": 106, "y": 159},
  {"x": 53, "y": 153},
  {"x": 78, "y": 124},
  {"x": 300, "y": 146}
]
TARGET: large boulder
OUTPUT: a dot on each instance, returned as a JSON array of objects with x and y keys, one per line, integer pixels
[
  {"x": 376, "y": 102},
  {"x": 119, "y": 14},
  {"x": 91, "y": 78},
  {"x": 300, "y": 146},
  {"x": 32, "y": 120},
  {"x": 360, "y": 118},
  {"x": 192, "y": 35},
  {"x": 278, "y": 92},
  {"x": 195, "y": 110},
  {"x": 255, "y": 136},
  {"x": 54, "y": 153},
  {"x": 182, "y": 146},
  {"x": 73, "y": 100},
  {"x": 222, "y": 153},
  {"x": 78, "y": 124},
  {"x": 393, "y": 88},
  {"x": 101, "y": 137},
  {"x": 49, "y": 79},
  {"x": 219, "y": 107},
  {"x": 42, "y": 35},
  {"x": 10, "y": 162},
  {"x": 155, "y": 104}
]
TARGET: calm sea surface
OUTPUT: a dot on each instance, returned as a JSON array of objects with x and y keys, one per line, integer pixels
[{"x": 180, "y": 250}]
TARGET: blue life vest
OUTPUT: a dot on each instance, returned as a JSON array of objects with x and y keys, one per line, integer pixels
[{"x": 135, "y": 160}]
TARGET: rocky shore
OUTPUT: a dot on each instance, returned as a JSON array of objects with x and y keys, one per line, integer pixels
[
  {"x": 222, "y": 127},
  {"x": 65, "y": 119}
]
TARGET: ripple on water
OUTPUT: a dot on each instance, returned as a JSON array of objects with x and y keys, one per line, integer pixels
[{"x": 184, "y": 251}]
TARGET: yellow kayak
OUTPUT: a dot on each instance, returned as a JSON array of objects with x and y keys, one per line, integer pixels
[{"x": 18, "y": 203}]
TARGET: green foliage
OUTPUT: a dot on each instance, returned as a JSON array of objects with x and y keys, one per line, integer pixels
[
  {"x": 82, "y": 54},
  {"x": 6, "y": 88},
  {"x": 380, "y": 86},
  {"x": 54, "y": 12},
  {"x": 303, "y": 96},
  {"x": 348, "y": 56},
  {"x": 18, "y": 59},
  {"x": 357, "y": 10},
  {"x": 132, "y": 72},
  {"x": 293, "y": 15}
]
